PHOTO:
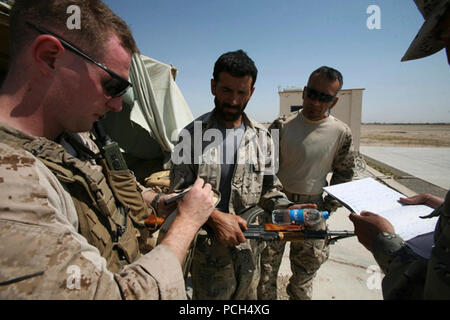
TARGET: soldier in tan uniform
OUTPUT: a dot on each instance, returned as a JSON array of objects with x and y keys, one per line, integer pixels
[
  {"x": 69, "y": 230},
  {"x": 313, "y": 143},
  {"x": 240, "y": 166},
  {"x": 408, "y": 275}
]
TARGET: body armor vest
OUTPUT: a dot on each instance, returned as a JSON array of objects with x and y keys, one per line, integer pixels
[{"x": 98, "y": 199}]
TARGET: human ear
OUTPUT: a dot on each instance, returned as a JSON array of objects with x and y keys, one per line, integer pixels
[
  {"x": 251, "y": 92},
  {"x": 45, "y": 50},
  {"x": 334, "y": 103},
  {"x": 213, "y": 87}
]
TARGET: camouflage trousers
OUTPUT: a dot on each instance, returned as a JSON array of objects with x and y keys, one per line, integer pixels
[
  {"x": 306, "y": 257},
  {"x": 225, "y": 273}
]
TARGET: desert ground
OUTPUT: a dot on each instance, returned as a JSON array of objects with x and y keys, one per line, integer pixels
[{"x": 413, "y": 135}]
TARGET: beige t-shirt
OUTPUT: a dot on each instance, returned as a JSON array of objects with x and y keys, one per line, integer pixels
[{"x": 308, "y": 150}]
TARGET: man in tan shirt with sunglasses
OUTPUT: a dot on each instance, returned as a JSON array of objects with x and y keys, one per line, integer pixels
[{"x": 313, "y": 143}]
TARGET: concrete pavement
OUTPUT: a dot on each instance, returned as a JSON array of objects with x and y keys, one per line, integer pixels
[{"x": 429, "y": 164}]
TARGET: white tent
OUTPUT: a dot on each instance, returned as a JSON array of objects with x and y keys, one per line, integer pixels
[{"x": 154, "y": 111}]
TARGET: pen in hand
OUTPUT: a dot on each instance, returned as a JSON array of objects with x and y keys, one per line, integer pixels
[{"x": 175, "y": 198}]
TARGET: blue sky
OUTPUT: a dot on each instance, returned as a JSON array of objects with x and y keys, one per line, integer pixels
[{"x": 288, "y": 39}]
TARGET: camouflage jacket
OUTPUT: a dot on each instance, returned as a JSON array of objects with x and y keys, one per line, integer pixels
[
  {"x": 342, "y": 162},
  {"x": 253, "y": 182},
  {"x": 409, "y": 276},
  {"x": 44, "y": 257}
]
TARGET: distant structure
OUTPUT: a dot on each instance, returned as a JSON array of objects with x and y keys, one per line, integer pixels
[{"x": 347, "y": 109}]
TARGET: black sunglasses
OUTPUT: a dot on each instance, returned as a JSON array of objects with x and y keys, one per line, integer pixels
[
  {"x": 317, "y": 95},
  {"x": 114, "y": 87}
]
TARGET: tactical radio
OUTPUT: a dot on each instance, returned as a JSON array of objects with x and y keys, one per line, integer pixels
[{"x": 110, "y": 149}]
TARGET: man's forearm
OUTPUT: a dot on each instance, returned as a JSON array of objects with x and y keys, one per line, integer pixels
[
  {"x": 271, "y": 195},
  {"x": 343, "y": 167},
  {"x": 212, "y": 221},
  {"x": 179, "y": 237}
]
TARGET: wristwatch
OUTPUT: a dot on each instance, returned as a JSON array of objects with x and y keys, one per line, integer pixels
[{"x": 155, "y": 202}]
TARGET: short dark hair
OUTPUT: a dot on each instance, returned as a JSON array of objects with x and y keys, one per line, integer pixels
[
  {"x": 237, "y": 63},
  {"x": 98, "y": 23},
  {"x": 330, "y": 73}
]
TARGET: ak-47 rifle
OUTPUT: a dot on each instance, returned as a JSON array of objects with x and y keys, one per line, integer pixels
[{"x": 273, "y": 232}]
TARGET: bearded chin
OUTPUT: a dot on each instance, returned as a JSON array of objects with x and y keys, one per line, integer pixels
[{"x": 228, "y": 116}]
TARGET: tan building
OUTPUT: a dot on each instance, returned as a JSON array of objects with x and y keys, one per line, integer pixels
[{"x": 348, "y": 108}]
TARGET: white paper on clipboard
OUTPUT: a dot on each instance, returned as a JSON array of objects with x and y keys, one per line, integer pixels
[{"x": 370, "y": 195}]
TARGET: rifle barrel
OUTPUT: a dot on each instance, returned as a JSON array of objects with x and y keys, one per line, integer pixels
[{"x": 259, "y": 233}]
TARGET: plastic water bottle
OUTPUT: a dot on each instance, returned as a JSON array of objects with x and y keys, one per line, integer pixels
[{"x": 307, "y": 216}]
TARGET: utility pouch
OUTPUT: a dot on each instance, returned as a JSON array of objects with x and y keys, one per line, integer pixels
[{"x": 126, "y": 192}]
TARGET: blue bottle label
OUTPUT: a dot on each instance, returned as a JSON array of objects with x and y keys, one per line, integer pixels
[{"x": 297, "y": 216}]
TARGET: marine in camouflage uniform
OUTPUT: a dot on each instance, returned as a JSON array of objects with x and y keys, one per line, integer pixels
[
  {"x": 218, "y": 271},
  {"x": 42, "y": 245},
  {"x": 69, "y": 229},
  {"x": 309, "y": 150}
]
